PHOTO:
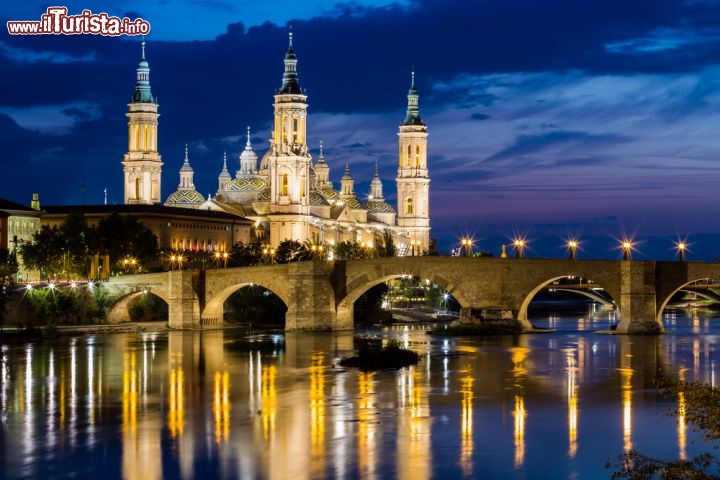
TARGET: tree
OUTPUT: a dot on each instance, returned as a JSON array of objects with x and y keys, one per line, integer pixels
[
  {"x": 44, "y": 251},
  {"x": 384, "y": 245},
  {"x": 347, "y": 250},
  {"x": 8, "y": 266},
  {"x": 292, "y": 251},
  {"x": 245, "y": 254},
  {"x": 123, "y": 236}
]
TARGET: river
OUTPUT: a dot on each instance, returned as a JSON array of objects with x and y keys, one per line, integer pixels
[{"x": 190, "y": 405}]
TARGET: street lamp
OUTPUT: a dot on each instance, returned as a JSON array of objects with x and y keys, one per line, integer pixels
[
  {"x": 225, "y": 256},
  {"x": 681, "y": 247},
  {"x": 268, "y": 253},
  {"x": 467, "y": 244},
  {"x": 519, "y": 245},
  {"x": 572, "y": 246},
  {"x": 626, "y": 248}
]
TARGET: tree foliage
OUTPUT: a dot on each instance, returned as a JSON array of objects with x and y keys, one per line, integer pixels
[
  {"x": 292, "y": 251},
  {"x": 64, "y": 250},
  {"x": 384, "y": 245}
]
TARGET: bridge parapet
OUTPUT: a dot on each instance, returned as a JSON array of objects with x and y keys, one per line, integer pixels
[{"x": 321, "y": 295}]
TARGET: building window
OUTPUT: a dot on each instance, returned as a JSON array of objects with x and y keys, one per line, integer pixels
[
  {"x": 408, "y": 160},
  {"x": 284, "y": 191},
  {"x": 409, "y": 206},
  {"x": 417, "y": 157}
]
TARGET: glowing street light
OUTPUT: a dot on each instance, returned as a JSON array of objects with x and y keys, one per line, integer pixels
[
  {"x": 626, "y": 246},
  {"x": 269, "y": 254},
  {"x": 572, "y": 246},
  {"x": 467, "y": 244},
  {"x": 519, "y": 245},
  {"x": 681, "y": 247}
]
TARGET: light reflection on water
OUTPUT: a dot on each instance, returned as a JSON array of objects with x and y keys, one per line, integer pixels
[{"x": 191, "y": 404}]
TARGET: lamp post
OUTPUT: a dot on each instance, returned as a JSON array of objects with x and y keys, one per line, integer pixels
[
  {"x": 572, "y": 246},
  {"x": 681, "y": 247},
  {"x": 519, "y": 245},
  {"x": 467, "y": 246},
  {"x": 626, "y": 248}
]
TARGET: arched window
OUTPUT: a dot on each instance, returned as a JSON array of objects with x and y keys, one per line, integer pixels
[
  {"x": 418, "y": 164},
  {"x": 145, "y": 138},
  {"x": 137, "y": 189},
  {"x": 137, "y": 137},
  {"x": 284, "y": 191},
  {"x": 295, "y": 130},
  {"x": 408, "y": 161},
  {"x": 409, "y": 206}
]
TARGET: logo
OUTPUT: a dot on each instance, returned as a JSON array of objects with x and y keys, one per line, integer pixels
[{"x": 56, "y": 21}]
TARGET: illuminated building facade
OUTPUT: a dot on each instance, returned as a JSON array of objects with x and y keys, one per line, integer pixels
[{"x": 285, "y": 193}]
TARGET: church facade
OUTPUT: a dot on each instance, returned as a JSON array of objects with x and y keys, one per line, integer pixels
[{"x": 285, "y": 193}]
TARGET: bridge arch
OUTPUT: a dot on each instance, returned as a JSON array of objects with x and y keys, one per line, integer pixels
[
  {"x": 213, "y": 314},
  {"x": 119, "y": 311},
  {"x": 667, "y": 297},
  {"x": 381, "y": 272},
  {"x": 523, "y": 310}
]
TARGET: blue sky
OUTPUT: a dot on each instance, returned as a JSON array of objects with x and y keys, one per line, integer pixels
[{"x": 548, "y": 119}]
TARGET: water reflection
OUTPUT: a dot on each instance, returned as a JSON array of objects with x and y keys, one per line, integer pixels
[{"x": 189, "y": 405}]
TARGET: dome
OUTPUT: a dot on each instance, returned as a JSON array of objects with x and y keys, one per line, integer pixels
[
  {"x": 376, "y": 206},
  {"x": 250, "y": 184},
  {"x": 184, "y": 198},
  {"x": 316, "y": 199}
]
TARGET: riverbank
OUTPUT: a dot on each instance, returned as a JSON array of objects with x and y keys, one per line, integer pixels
[{"x": 24, "y": 334}]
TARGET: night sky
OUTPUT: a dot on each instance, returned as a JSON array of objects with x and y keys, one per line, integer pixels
[{"x": 549, "y": 119}]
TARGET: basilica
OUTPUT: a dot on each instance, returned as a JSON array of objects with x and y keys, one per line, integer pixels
[{"x": 284, "y": 192}]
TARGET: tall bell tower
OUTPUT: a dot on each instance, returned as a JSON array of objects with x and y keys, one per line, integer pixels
[
  {"x": 413, "y": 180},
  {"x": 290, "y": 161},
  {"x": 142, "y": 164}
]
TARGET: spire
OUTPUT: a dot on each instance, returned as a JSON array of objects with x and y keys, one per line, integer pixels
[
  {"x": 290, "y": 80},
  {"x": 186, "y": 174},
  {"x": 413, "y": 110},
  {"x": 248, "y": 159},
  {"x": 142, "y": 85},
  {"x": 186, "y": 164},
  {"x": 321, "y": 157},
  {"x": 376, "y": 192},
  {"x": 347, "y": 187},
  {"x": 224, "y": 178}
]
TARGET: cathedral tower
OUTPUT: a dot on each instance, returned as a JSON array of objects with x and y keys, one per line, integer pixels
[
  {"x": 290, "y": 161},
  {"x": 413, "y": 180},
  {"x": 142, "y": 164}
]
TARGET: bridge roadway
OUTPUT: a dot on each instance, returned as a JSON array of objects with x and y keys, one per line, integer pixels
[{"x": 320, "y": 295}]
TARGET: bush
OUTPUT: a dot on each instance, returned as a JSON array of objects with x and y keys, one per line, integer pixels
[{"x": 373, "y": 356}]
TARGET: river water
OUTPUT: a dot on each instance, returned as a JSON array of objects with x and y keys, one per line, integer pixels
[{"x": 193, "y": 405}]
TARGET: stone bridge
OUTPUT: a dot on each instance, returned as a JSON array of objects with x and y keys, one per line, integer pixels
[{"x": 320, "y": 295}]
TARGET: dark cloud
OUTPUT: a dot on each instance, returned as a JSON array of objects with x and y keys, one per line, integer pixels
[
  {"x": 526, "y": 145},
  {"x": 479, "y": 116}
]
